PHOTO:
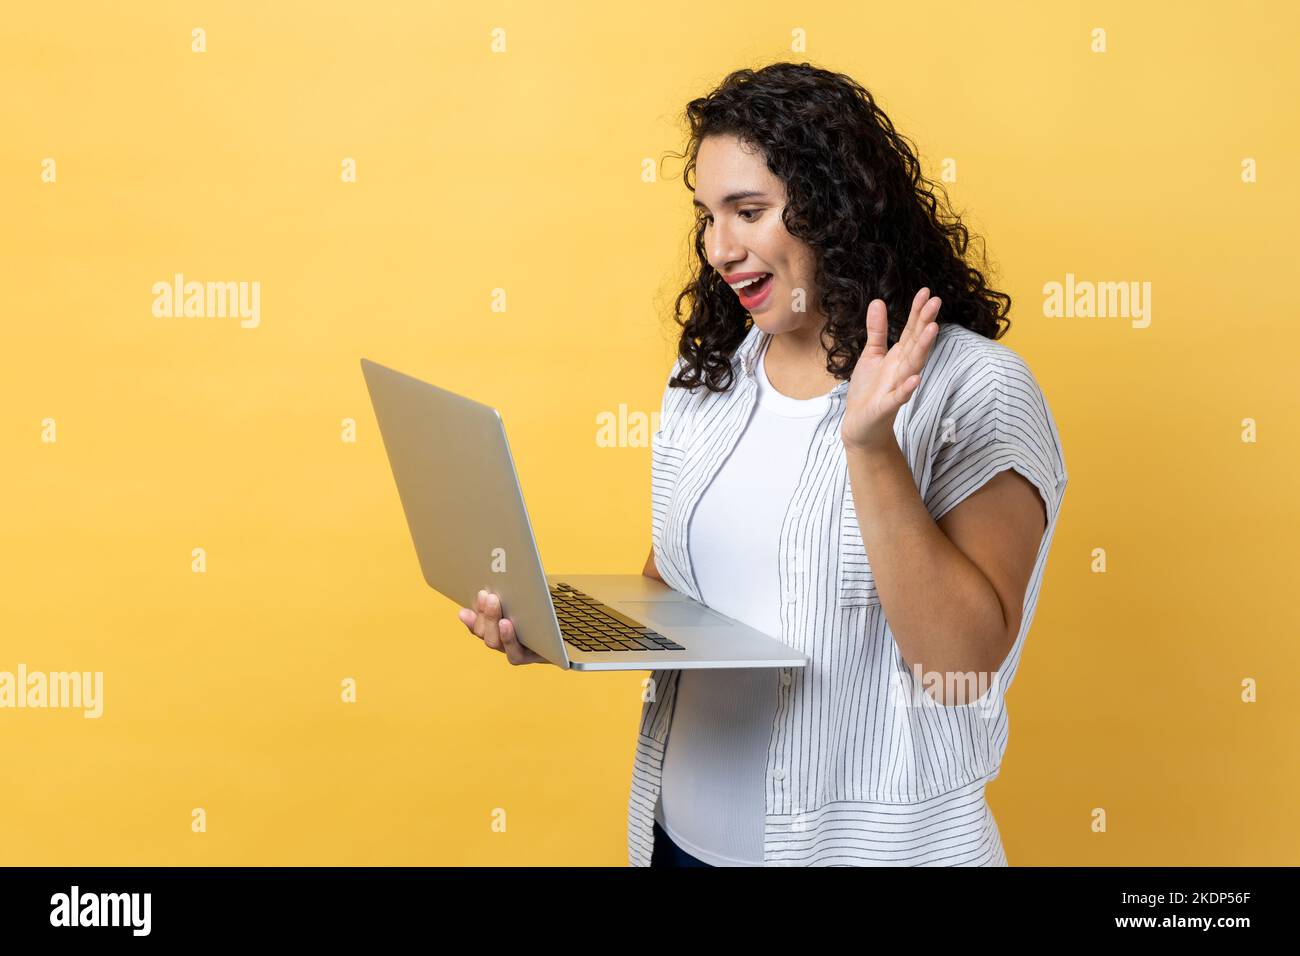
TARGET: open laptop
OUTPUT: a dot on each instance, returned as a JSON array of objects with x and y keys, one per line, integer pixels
[{"x": 465, "y": 510}]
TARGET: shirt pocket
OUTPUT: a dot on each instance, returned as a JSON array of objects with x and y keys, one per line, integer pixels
[{"x": 857, "y": 583}]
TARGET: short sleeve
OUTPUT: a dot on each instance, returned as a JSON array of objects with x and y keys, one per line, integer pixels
[{"x": 994, "y": 416}]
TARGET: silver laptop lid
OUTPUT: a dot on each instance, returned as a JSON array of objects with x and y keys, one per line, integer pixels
[{"x": 459, "y": 489}]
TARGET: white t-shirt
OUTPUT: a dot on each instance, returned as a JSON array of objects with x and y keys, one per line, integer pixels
[{"x": 712, "y": 804}]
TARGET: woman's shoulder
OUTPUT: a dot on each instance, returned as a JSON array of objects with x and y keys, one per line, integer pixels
[
  {"x": 958, "y": 345},
  {"x": 987, "y": 390},
  {"x": 961, "y": 358}
]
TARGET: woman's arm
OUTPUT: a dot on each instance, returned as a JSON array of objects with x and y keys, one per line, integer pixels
[
  {"x": 651, "y": 570},
  {"x": 952, "y": 592}
]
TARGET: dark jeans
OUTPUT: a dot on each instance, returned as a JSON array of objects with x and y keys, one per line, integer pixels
[{"x": 668, "y": 853}]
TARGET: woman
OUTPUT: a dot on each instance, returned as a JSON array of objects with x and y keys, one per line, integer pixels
[{"x": 821, "y": 411}]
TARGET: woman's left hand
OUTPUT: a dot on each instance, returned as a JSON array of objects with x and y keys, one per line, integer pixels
[{"x": 885, "y": 378}]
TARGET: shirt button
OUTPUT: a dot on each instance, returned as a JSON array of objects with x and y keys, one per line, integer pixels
[
  {"x": 778, "y": 773},
  {"x": 795, "y": 512},
  {"x": 831, "y": 438},
  {"x": 785, "y": 678}
]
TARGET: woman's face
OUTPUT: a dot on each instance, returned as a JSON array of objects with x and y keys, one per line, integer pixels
[{"x": 741, "y": 201}]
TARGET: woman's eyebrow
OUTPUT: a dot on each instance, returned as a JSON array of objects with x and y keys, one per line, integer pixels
[{"x": 730, "y": 198}]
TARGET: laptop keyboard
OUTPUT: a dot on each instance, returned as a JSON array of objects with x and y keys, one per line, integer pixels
[{"x": 589, "y": 625}]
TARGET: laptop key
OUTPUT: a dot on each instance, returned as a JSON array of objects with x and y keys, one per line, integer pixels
[{"x": 601, "y": 628}]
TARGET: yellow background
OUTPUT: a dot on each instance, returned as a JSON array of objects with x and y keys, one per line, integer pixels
[{"x": 522, "y": 170}]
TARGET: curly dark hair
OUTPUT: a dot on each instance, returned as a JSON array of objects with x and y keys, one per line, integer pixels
[{"x": 855, "y": 195}]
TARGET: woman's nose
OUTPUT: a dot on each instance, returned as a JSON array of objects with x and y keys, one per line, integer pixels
[{"x": 722, "y": 251}]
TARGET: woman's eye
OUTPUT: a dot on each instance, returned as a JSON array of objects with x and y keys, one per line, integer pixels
[{"x": 708, "y": 220}]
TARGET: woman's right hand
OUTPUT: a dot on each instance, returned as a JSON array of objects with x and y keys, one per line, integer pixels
[{"x": 486, "y": 623}]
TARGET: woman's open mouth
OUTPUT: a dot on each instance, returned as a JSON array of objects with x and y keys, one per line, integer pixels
[{"x": 754, "y": 294}]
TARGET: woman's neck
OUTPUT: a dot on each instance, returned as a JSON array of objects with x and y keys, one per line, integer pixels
[{"x": 795, "y": 363}]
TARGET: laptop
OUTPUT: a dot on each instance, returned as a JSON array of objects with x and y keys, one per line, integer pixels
[{"x": 465, "y": 510}]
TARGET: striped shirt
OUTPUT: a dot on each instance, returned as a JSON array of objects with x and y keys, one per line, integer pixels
[
  {"x": 863, "y": 768},
  {"x": 711, "y": 804}
]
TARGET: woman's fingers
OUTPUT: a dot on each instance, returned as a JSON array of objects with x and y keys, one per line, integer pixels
[
  {"x": 516, "y": 652},
  {"x": 919, "y": 302},
  {"x": 495, "y": 631},
  {"x": 491, "y": 620},
  {"x": 926, "y": 331},
  {"x": 877, "y": 343},
  {"x": 909, "y": 327},
  {"x": 479, "y": 620},
  {"x": 510, "y": 644},
  {"x": 915, "y": 340},
  {"x": 925, "y": 308}
]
